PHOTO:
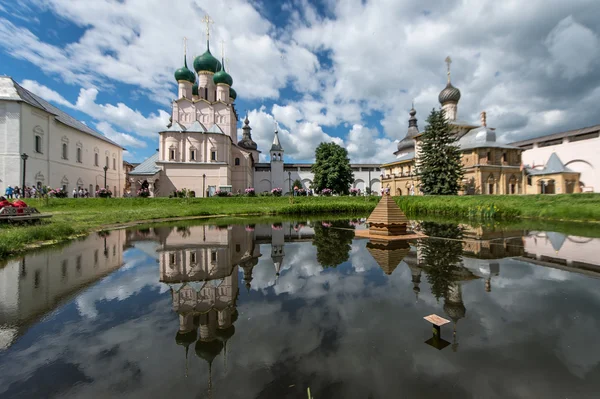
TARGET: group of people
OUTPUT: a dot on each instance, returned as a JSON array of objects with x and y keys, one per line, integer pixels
[
  {"x": 81, "y": 193},
  {"x": 15, "y": 204},
  {"x": 16, "y": 192}
]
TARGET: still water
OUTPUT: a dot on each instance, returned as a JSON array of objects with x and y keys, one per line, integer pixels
[{"x": 266, "y": 310}]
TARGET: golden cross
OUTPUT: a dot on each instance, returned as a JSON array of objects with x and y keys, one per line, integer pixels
[
  {"x": 448, "y": 62},
  {"x": 207, "y": 21},
  {"x": 227, "y": 61},
  {"x": 184, "y": 45},
  {"x": 222, "y": 49}
]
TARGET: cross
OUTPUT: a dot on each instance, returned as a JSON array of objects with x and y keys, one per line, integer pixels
[
  {"x": 184, "y": 45},
  {"x": 207, "y": 21},
  {"x": 222, "y": 49},
  {"x": 227, "y": 61},
  {"x": 448, "y": 62},
  {"x": 276, "y": 126}
]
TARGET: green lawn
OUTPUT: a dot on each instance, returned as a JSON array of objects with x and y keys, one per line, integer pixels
[{"x": 72, "y": 217}]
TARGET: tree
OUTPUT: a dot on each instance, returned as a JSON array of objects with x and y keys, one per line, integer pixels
[
  {"x": 439, "y": 167},
  {"x": 332, "y": 169},
  {"x": 297, "y": 183},
  {"x": 333, "y": 241}
]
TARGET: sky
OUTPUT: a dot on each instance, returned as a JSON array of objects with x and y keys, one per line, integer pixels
[{"x": 325, "y": 70}]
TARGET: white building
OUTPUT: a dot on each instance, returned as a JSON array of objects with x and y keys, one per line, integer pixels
[
  {"x": 62, "y": 151},
  {"x": 577, "y": 149}
]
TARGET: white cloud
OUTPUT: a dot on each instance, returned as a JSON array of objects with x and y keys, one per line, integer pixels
[{"x": 123, "y": 139}]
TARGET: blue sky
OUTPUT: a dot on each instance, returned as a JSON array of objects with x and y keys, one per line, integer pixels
[{"x": 325, "y": 70}]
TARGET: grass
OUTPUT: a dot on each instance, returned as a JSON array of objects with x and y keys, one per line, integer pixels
[{"x": 73, "y": 217}]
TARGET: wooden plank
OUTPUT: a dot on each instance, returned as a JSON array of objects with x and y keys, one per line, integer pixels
[{"x": 436, "y": 320}]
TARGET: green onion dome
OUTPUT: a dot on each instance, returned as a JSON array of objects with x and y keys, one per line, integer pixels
[
  {"x": 208, "y": 350},
  {"x": 223, "y": 77},
  {"x": 184, "y": 73},
  {"x": 232, "y": 93},
  {"x": 206, "y": 62},
  {"x": 195, "y": 89}
]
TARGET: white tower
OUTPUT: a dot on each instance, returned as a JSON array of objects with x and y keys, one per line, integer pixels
[
  {"x": 277, "y": 177},
  {"x": 277, "y": 253}
]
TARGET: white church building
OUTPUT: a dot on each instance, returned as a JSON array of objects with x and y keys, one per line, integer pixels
[{"x": 200, "y": 151}]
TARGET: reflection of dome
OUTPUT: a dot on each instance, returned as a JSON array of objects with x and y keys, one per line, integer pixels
[
  {"x": 225, "y": 334},
  {"x": 208, "y": 350},
  {"x": 234, "y": 316},
  {"x": 186, "y": 338},
  {"x": 449, "y": 94}
]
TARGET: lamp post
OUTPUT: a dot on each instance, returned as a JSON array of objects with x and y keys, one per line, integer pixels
[
  {"x": 204, "y": 185},
  {"x": 105, "y": 169},
  {"x": 290, "y": 181},
  {"x": 24, "y": 158}
]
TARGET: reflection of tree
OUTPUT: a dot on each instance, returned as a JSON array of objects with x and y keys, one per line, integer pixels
[
  {"x": 441, "y": 257},
  {"x": 333, "y": 242}
]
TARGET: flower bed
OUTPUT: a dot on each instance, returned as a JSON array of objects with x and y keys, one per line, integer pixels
[
  {"x": 104, "y": 193},
  {"x": 327, "y": 192},
  {"x": 277, "y": 191},
  {"x": 222, "y": 193},
  {"x": 58, "y": 193},
  {"x": 143, "y": 192},
  {"x": 250, "y": 192}
]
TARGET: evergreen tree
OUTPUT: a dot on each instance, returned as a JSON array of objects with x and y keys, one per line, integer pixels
[
  {"x": 332, "y": 169},
  {"x": 333, "y": 243},
  {"x": 440, "y": 168}
]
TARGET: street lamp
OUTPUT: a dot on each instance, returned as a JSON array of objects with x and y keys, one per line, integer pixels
[
  {"x": 204, "y": 185},
  {"x": 290, "y": 181},
  {"x": 24, "y": 158},
  {"x": 105, "y": 169}
]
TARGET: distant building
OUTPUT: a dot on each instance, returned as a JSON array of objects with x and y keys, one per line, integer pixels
[{"x": 62, "y": 151}]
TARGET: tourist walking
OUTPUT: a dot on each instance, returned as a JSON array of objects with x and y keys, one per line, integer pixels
[
  {"x": 74, "y": 193},
  {"x": 8, "y": 192},
  {"x": 33, "y": 191},
  {"x": 17, "y": 192}
]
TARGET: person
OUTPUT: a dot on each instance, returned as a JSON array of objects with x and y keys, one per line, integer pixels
[
  {"x": 8, "y": 192},
  {"x": 80, "y": 193},
  {"x": 17, "y": 192},
  {"x": 33, "y": 191},
  {"x": 4, "y": 202},
  {"x": 74, "y": 193}
]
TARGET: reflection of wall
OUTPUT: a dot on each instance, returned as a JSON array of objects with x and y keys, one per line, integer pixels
[
  {"x": 484, "y": 243},
  {"x": 35, "y": 284},
  {"x": 561, "y": 249}
]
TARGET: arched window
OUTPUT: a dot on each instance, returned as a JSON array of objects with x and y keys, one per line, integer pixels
[
  {"x": 96, "y": 159},
  {"x": 192, "y": 155},
  {"x": 171, "y": 155},
  {"x": 114, "y": 163},
  {"x": 38, "y": 144},
  {"x": 78, "y": 154},
  {"x": 106, "y": 162},
  {"x": 490, "y": 184},
  {"x": 213, "y": 155},
  {"x": 65, "y": 151},
  {"x": 237, "y": 162},
  {"x": 206, "y": 93}
]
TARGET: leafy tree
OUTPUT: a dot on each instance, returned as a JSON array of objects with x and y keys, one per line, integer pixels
[
  {"x": 441, "y": 257},
  {"x": 332, "y": 169},
  {"x": 297, "y": 183},
  {"x": 333, "y": 242},
  {"x": 439, "y": 166}
]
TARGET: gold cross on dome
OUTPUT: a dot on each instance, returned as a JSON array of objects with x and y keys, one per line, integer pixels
[
  {"x": 184, "y": 45},
  {"x": 448, "y": 62},
  {"x": 222, "y": 48},
  {"x": 207, "y": 21}
]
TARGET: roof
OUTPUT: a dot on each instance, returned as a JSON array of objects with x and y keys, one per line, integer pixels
[
  {"x": 553, "y": 166},
  {"x": 388, "y": 254},
  {"x": 387, "y": 213},
  {"x": 479, "y": 138},
  {"x": 409, "y": 156},
  {"x": 568, "y": 133},
  {"x": 276, "y": 144},
  {"x": 148, "y": 167},
  {"x": 21, "y": 94}
]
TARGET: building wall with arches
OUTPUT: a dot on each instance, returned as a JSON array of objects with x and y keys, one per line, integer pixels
[{"x": 57, "y": 153}]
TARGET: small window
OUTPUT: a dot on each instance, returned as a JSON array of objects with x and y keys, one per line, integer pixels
[
  {"x": 213, "y": 155},
  {"x": 65, "y": 151},
  {"x": 172, "y": 259},
  {"x": 96, "y": 162},
  {"x": 192, "y": 155},
  {"x": 114, "y": 164},
  {"x": 78, "y": 154},
  {"x": 213, "y": 256},
  {"x": 193, "y": 257},
  {"x": 529, "y": 181},
  {"x": 107, "y": 162},
  {"x": 237, "y": 162},
  {"x": 206, "y": 93},
  {"x": 95, "y": 257},
  {"x": 489, "y": 157},
  {"x": 504, "y": 157},
  {"x": 38, "y": 144},
  {"x": 171, "y": 155},
  {"x": 238, "y": 248}
]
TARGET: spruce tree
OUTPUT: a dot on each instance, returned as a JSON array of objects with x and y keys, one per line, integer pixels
[{"x": 439, "y": 167}]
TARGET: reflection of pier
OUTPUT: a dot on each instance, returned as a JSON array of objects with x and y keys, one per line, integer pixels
[{"x": 37, "y": 284}]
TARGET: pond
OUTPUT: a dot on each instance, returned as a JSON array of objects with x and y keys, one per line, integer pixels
[{"x": 267, "y": 309}]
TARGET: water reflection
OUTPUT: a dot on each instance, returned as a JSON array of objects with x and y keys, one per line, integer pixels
[{"x": 159, "y": 311}]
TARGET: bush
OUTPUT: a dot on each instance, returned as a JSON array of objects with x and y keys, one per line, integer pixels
[
  {"x": 326, "y": 192},
  {"x": 354, "y": 191},
  {"x": 58, "y": 193},
  {"x": 104, "y": 193},
  {"x": 250, "y": 192},
  {"x": 277, "y": 191},
  {"x": 223, "y": 193},
  {"x": 143, "y": 192}
]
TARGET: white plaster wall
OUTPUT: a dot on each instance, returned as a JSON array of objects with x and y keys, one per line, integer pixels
[
  {"x": 580, "y": 156},
  {"x": 10, "y": 145},
  {"x": 574, "y": 249}
]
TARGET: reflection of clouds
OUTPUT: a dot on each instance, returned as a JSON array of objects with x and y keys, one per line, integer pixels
[
  {"x": 127, "y": 281},
  {"x": 360, "y": 332}
]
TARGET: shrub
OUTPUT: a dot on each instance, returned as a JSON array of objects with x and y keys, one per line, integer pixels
[
  {"x": 223, "y": 193},
  {"x": 326, "y": 192},
  {"x": 250, "y": 192},
  {"x": 143, "y": 192},
  {"x": 354, "y": 191},
  {"x": 277, "y": 191},
  {"x": 58, "y": 193},
  {"x": 104, "y": 193}
]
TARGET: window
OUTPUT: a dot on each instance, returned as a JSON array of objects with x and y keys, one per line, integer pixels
[
  {"x": 115, "y": 191},
  {"x": 106, "y": 162},
  {"x": 504, "y": 157},
  {"x": 527, "y": 146},
  {"x": 65, "y": 151},
  {"x": 238, "y": 247},
  {"x": 95, "y": 257},
  {"x": 171, "y": 155},
  {"x": 584, "y": 136},
  {"x": 206, "y": 93},
  {"x": 213, "y": 256},
  {"x": 193, "y": 257},
  {"x": 172, "y": 259},
  {"x": 550, "y": 143},
  {"x": 192, "y": 155},
  {"x": 78, "y": 154},
  {"x": 95, "y": 159},
  {"x": 38, "y": 144},
  {"x": 489, "y": 157},
  {"x": 114, "y": 164},
  {"x": 529, "y": 182},
  {"x": 237, "y": 162},
  {"x": 213, "y": 155}
]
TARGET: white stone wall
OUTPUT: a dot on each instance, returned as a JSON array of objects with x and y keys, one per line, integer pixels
[
  {"x": 580, "y": 156},
  {"x": 20, "y": 123}
]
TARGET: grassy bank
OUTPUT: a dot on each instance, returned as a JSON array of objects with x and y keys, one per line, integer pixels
[{"x": 72, "y": 217}]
